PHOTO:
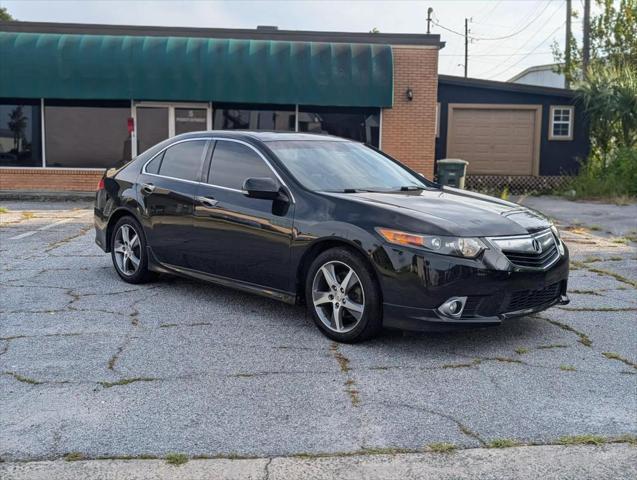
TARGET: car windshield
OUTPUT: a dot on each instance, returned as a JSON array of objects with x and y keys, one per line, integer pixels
[{"x": 334, "y": 166}]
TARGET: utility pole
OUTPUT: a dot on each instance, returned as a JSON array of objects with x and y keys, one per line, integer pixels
[
  {"x": 567, "y": 48},
  {"x": 429, "y": 12},
  {"x": 466, "y": 46},
  {"x": 586, "y": 41}
]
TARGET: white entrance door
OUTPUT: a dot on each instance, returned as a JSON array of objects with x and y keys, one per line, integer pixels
[{"x": 155, "y": 122}]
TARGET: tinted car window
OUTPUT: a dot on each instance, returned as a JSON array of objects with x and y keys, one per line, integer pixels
[
  {"x": 233, "y": 162},
  {"x": 153, "y": 167},
  {"x": 183, "y": 160}
]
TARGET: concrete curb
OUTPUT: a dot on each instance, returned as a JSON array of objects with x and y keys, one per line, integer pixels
[{"x": 611, "y": 461}]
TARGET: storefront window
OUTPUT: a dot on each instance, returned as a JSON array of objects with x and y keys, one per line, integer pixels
[
  {"x": 87, "y": 134},
  {"x": 360, "y": 124},
  {"x": 20, "y": 134},
  {"x": 253, "y": 117}
]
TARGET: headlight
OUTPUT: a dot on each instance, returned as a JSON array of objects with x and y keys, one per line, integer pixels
[{"x": 458, "y": 246}]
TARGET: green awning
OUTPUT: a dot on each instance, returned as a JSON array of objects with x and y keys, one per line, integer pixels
[{"x": 107, "y": 67}]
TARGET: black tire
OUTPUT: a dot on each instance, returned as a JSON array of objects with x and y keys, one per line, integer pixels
[
  {"x": 370, "y": 322},
  {"x": 141, "y": 274}
]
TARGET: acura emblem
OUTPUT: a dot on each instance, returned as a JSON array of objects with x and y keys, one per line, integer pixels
[{"x": 537, "y": 247}]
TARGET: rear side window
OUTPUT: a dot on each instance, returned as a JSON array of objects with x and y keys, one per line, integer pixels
[
  {"x": 153, "y": 167},
  {"x": 182, "y": 160},
  {"x": 233, "y": 162}
]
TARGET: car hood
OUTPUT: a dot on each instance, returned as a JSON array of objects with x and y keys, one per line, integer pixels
[{"x": 456, "y": 212}]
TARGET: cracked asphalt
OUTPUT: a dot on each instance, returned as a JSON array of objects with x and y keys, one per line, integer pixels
[{"x": 91, "y": 364}]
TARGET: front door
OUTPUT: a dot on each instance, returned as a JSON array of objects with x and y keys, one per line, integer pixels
[
  {"x": 156, "y": 122},
  {"x": 237, "y": 237},
  {"x": 168, "y": 184}
]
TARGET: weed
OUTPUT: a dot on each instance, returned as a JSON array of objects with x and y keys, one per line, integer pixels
[
  {"x": 24, "y": 379},
  {"x": 583, "y": 338},
  {"x": 74, "y": 456},
  {"x": 502, "y": 443},
  {"x": 176, "y": 458},
  {"x": 582, "y": 440},
  {"x": 548, "y": 347},
  {"x": 475, "y": 362},
  {"x": 4, "y": 210},
  {"x": 126, "y": 381},
  {"x": 27, "y": 215},
  {"x": 521, "y": 350},
  {"x": 618, "y": 357},
  {"x": 567, "y": 368},
  {"x": 441, "y": 447}
]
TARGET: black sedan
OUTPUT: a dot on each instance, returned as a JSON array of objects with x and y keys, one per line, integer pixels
[{"x": 363, "y": 240}]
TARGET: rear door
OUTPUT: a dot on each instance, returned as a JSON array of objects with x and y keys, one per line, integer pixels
[
  {"x": 238, "y": 237},
  {"x": 168, "y": 184}
]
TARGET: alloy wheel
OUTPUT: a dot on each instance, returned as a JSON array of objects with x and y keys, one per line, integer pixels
[
  {"x": 127, "y": 249},
  {"x": 338, "y": 296}
]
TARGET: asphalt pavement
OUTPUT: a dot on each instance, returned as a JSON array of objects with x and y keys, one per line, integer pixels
[{"x": 98, "y": 368}]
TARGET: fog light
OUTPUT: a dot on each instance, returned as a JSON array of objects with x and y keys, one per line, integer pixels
[{"x": 453, "y": 307}]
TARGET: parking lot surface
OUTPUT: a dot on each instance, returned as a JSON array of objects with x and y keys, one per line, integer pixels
[{"x": 93, "y": 365}]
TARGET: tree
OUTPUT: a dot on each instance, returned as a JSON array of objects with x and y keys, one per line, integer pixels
[
  {"x": 613, "y": 39},
  {"x": 5, "y": 16}
]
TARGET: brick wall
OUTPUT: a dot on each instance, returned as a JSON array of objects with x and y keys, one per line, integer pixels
[
  {"x": 50, "y": 179},
  {"x": 409, "y": 127}
]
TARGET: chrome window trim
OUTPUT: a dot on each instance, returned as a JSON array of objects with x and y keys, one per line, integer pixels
[
  {"x": 208, "y": 140},
  {"x": 267, "y": 162},
  {"x": 205, "y": 152}
]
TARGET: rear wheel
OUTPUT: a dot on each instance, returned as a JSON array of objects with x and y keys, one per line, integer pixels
[
  {"x": 128, "y": 251},
  {"x": 343, "y": 297}
]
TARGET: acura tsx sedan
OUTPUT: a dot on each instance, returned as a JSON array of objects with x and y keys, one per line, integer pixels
[{"x": 362, "y": 240}]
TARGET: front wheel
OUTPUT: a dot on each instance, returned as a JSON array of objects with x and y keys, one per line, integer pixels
[
  {"x": 128, "y": 251},
  {"x": 343, "y": 297}
]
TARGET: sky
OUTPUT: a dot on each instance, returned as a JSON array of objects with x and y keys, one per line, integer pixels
[{"x": 531, "y": 26}]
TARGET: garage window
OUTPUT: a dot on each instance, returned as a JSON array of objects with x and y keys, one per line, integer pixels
[{"x": 561, "y": 122}]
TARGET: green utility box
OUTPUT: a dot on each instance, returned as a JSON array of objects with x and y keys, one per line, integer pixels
[{"x": 452, "y": 171}]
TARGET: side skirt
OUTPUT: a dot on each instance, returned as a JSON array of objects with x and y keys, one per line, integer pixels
[{"x": 156, "y": 266}]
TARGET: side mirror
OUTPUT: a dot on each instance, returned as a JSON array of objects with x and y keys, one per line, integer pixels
[{"x": 262, "y": 187}]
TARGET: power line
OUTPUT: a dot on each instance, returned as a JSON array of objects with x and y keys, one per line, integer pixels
[
  {"x": 532, "y": 51},
  {"x": 492, "y": 54},
  {"x": 519, "y": 49},
  {"x": 504, "y": 37}
]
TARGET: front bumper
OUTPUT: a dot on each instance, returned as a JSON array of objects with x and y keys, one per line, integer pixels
[{"x": 415, "y": 284}]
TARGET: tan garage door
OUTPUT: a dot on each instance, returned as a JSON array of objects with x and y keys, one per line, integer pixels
[{"x": 495, "y": 139}]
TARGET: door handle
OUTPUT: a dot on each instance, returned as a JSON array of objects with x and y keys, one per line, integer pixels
[
  {"x": 208, "y": 202},
  {"x": 148, "y": 188}
]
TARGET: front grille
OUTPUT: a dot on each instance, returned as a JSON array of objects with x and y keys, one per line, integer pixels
[
  {"x": 493, "y": 305},
  {"x": 524, "y": 299},
  {"x": 534, "y": 260}
]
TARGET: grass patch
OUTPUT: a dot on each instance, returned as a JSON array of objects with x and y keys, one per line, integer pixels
[
  {"x": 622, "y": 240},
  {"x": 619, "y": 358},
  {"x": 4, "y": 210},
  {"x": 599, "y": 309},
  {"x": 521, "y": 350},
  {"x": 74, "y": 457},
  {"x": 583, "y": 338},
  {"x": 343, "y": 361},
  {"x": 23, "y": 379},
  {"x": 176, "y": 458},
  {"x": 549, "y": 347},
  {"x": 507, "y": 360},
  {"x": 599, "y": 271},
  {"x": 586, "y": 292},
  {"x": 441, "y": 447},
  {"x": 567, "y": 368},
  {"x": 126, "y": 381},
  {"x": 582, "y": 440},
  {"x": 592, "y": 259},
  {"x": 27, "y": 215},
  {"x": 475, "y": 362},
  {"x": 502, "y": 443}
]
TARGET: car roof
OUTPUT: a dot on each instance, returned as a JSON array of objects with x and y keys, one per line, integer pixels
[{"x": 263, "y": 135}]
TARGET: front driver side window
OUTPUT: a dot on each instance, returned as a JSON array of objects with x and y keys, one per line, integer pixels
[{"x": 233, "y": 162}]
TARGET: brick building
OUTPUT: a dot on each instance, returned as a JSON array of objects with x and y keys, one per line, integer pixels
[{"x": 76, "y": 99}]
